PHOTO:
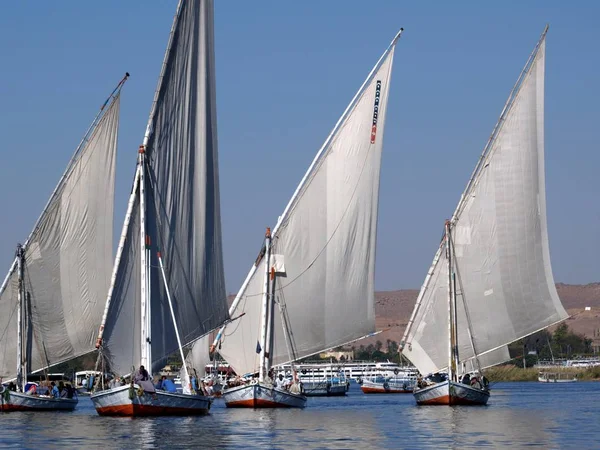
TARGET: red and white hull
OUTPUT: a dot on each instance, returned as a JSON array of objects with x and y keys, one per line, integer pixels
[
  {"x": 451, "y": 393},
  {"x": 371, "y": 387},
  {"x": 117, "y": 402},
  {"x": 16, "y": 401},
  {"x": 260, "y": 396}
]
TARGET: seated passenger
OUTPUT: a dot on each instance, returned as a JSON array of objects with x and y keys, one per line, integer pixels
[
  {"x": 168, "y": 385},
  {"x": 280, "y": 383},
  {"x": 160, "y": 383},
  {"x": 466, "y": 379},
  {"x": 55, "y": 392},
  {"x": 287, "y": 383},
  {"x": 140, "y": 375}
]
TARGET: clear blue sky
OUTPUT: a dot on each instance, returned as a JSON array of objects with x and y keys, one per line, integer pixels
[{"x": 285, "y": 72}]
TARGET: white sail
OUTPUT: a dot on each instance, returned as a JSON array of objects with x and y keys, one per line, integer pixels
[
  {"x": 198, "y": 356},
  {"x": 8, "y": 325},
  {"x": 500, "y": 242},
  {"x": 67, "y": 259},
  {"x": 323, "y": 245},
  {"x": 182, "y": 205},
  {"x": 489, "y": 359}
]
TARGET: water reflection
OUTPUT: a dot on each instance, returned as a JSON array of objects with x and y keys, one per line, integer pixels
[
  {"x": 519, "y": 415},
  {"x": 309, "y": 428}
]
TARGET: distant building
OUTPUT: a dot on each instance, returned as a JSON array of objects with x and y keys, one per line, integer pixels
[
  {"x": 596, "y": 344},
  {"x": 347, "y": 355}
]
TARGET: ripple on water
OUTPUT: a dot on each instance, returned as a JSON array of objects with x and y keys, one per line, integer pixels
[{"x": 519, "y": 415}]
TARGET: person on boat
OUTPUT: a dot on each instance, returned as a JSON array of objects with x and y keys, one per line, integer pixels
[
  {"x": 270, "y": 376},
  {"x": 54, "y": 392},
  {"x": 466, "y": 379},
  {"x": 485, "y": 382},
  {"x": 42, "y": 390},
  {"x": 62, "y": 392},
  {"x": 168, "y": 385},
  {"x": 141, "y": 375},
  {"x": 280, "y": 382},
  {"x": 112, "y": 383},
  {"x": 203, "y": 390},
  {"x": 209, "y": 387},
  {"x": 437, "y": 377},
  {"x": 32, "y": 390},
  {"x": 160, "y": 383},
  {"x": 475, "y": 383},
  {"x": 12, "y": 387}
]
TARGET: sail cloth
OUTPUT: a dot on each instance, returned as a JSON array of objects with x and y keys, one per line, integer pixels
[
  {"x": 325, "y": 244},
  {"x": 500, "y": 243},
  {"x": 8, "y": 327},
  {"x": 182, "y": 203},
  {"x": 67, "y": 259},
  {"x": 198, "y": 356}
]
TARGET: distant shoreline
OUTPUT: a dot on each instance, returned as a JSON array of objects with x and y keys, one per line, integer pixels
[{"x": 514, "y": 373}]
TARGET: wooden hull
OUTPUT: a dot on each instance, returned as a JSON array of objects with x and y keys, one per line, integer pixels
[
  {"x": 260, "y": 396},
  {"x": 117, "y": 402},
  {"x": 322, "y": 389},
  {"x": 388, "y": 387},
  {"x": 23, "y": 402},
  {"x": 451, "y": 393}
]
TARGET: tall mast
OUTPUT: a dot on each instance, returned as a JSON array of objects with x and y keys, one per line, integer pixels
[
  {"x": 21, "y": 357},
  {"x": 146, "y": 351},
  {"x": 266, "y": 330},
  {"x": 451, "y": 316},
  {"x": 146, "y": 309}
]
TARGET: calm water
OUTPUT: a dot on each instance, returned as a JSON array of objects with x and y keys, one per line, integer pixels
[{"x": 518, "y": 415}]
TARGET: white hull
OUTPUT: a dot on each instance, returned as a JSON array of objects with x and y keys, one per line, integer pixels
[
  {"x": 398, "y": 386},
  {"x": 17, "y": 401},
  {"x": 117, "y": 402},
  {"x": 260, "y": 396},
  {"x": 322, "y": 389},
  {"x": 451, "y": 393},
  {"x": 552, "y": 380}
]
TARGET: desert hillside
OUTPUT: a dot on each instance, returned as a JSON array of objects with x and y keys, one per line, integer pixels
[{"x": 393, "y": 309}]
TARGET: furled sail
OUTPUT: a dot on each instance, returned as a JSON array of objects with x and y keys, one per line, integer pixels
[
  {"x": 182, "y": 205},
  {"x": 323, "y": 245},
  {"x": 67, "y": 259},
  {"x": 505, "y": 288}
]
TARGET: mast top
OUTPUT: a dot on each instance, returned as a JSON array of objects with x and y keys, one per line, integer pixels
[{"x": 397, "y": 37}]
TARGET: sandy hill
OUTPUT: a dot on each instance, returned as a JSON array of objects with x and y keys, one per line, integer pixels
[{"x": 393, "y": 309}]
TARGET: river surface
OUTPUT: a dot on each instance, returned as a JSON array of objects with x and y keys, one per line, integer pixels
[{"x": 518, "y": 415}]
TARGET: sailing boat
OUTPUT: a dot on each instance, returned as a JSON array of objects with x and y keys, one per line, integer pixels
[
  {"x": 491, "y": 281},
  {"x": 52, "y": 296},
  {"x": 312, "y": 285},
  {"x": 168, "y": 285},
  {"x": 198, "y": 359}
]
